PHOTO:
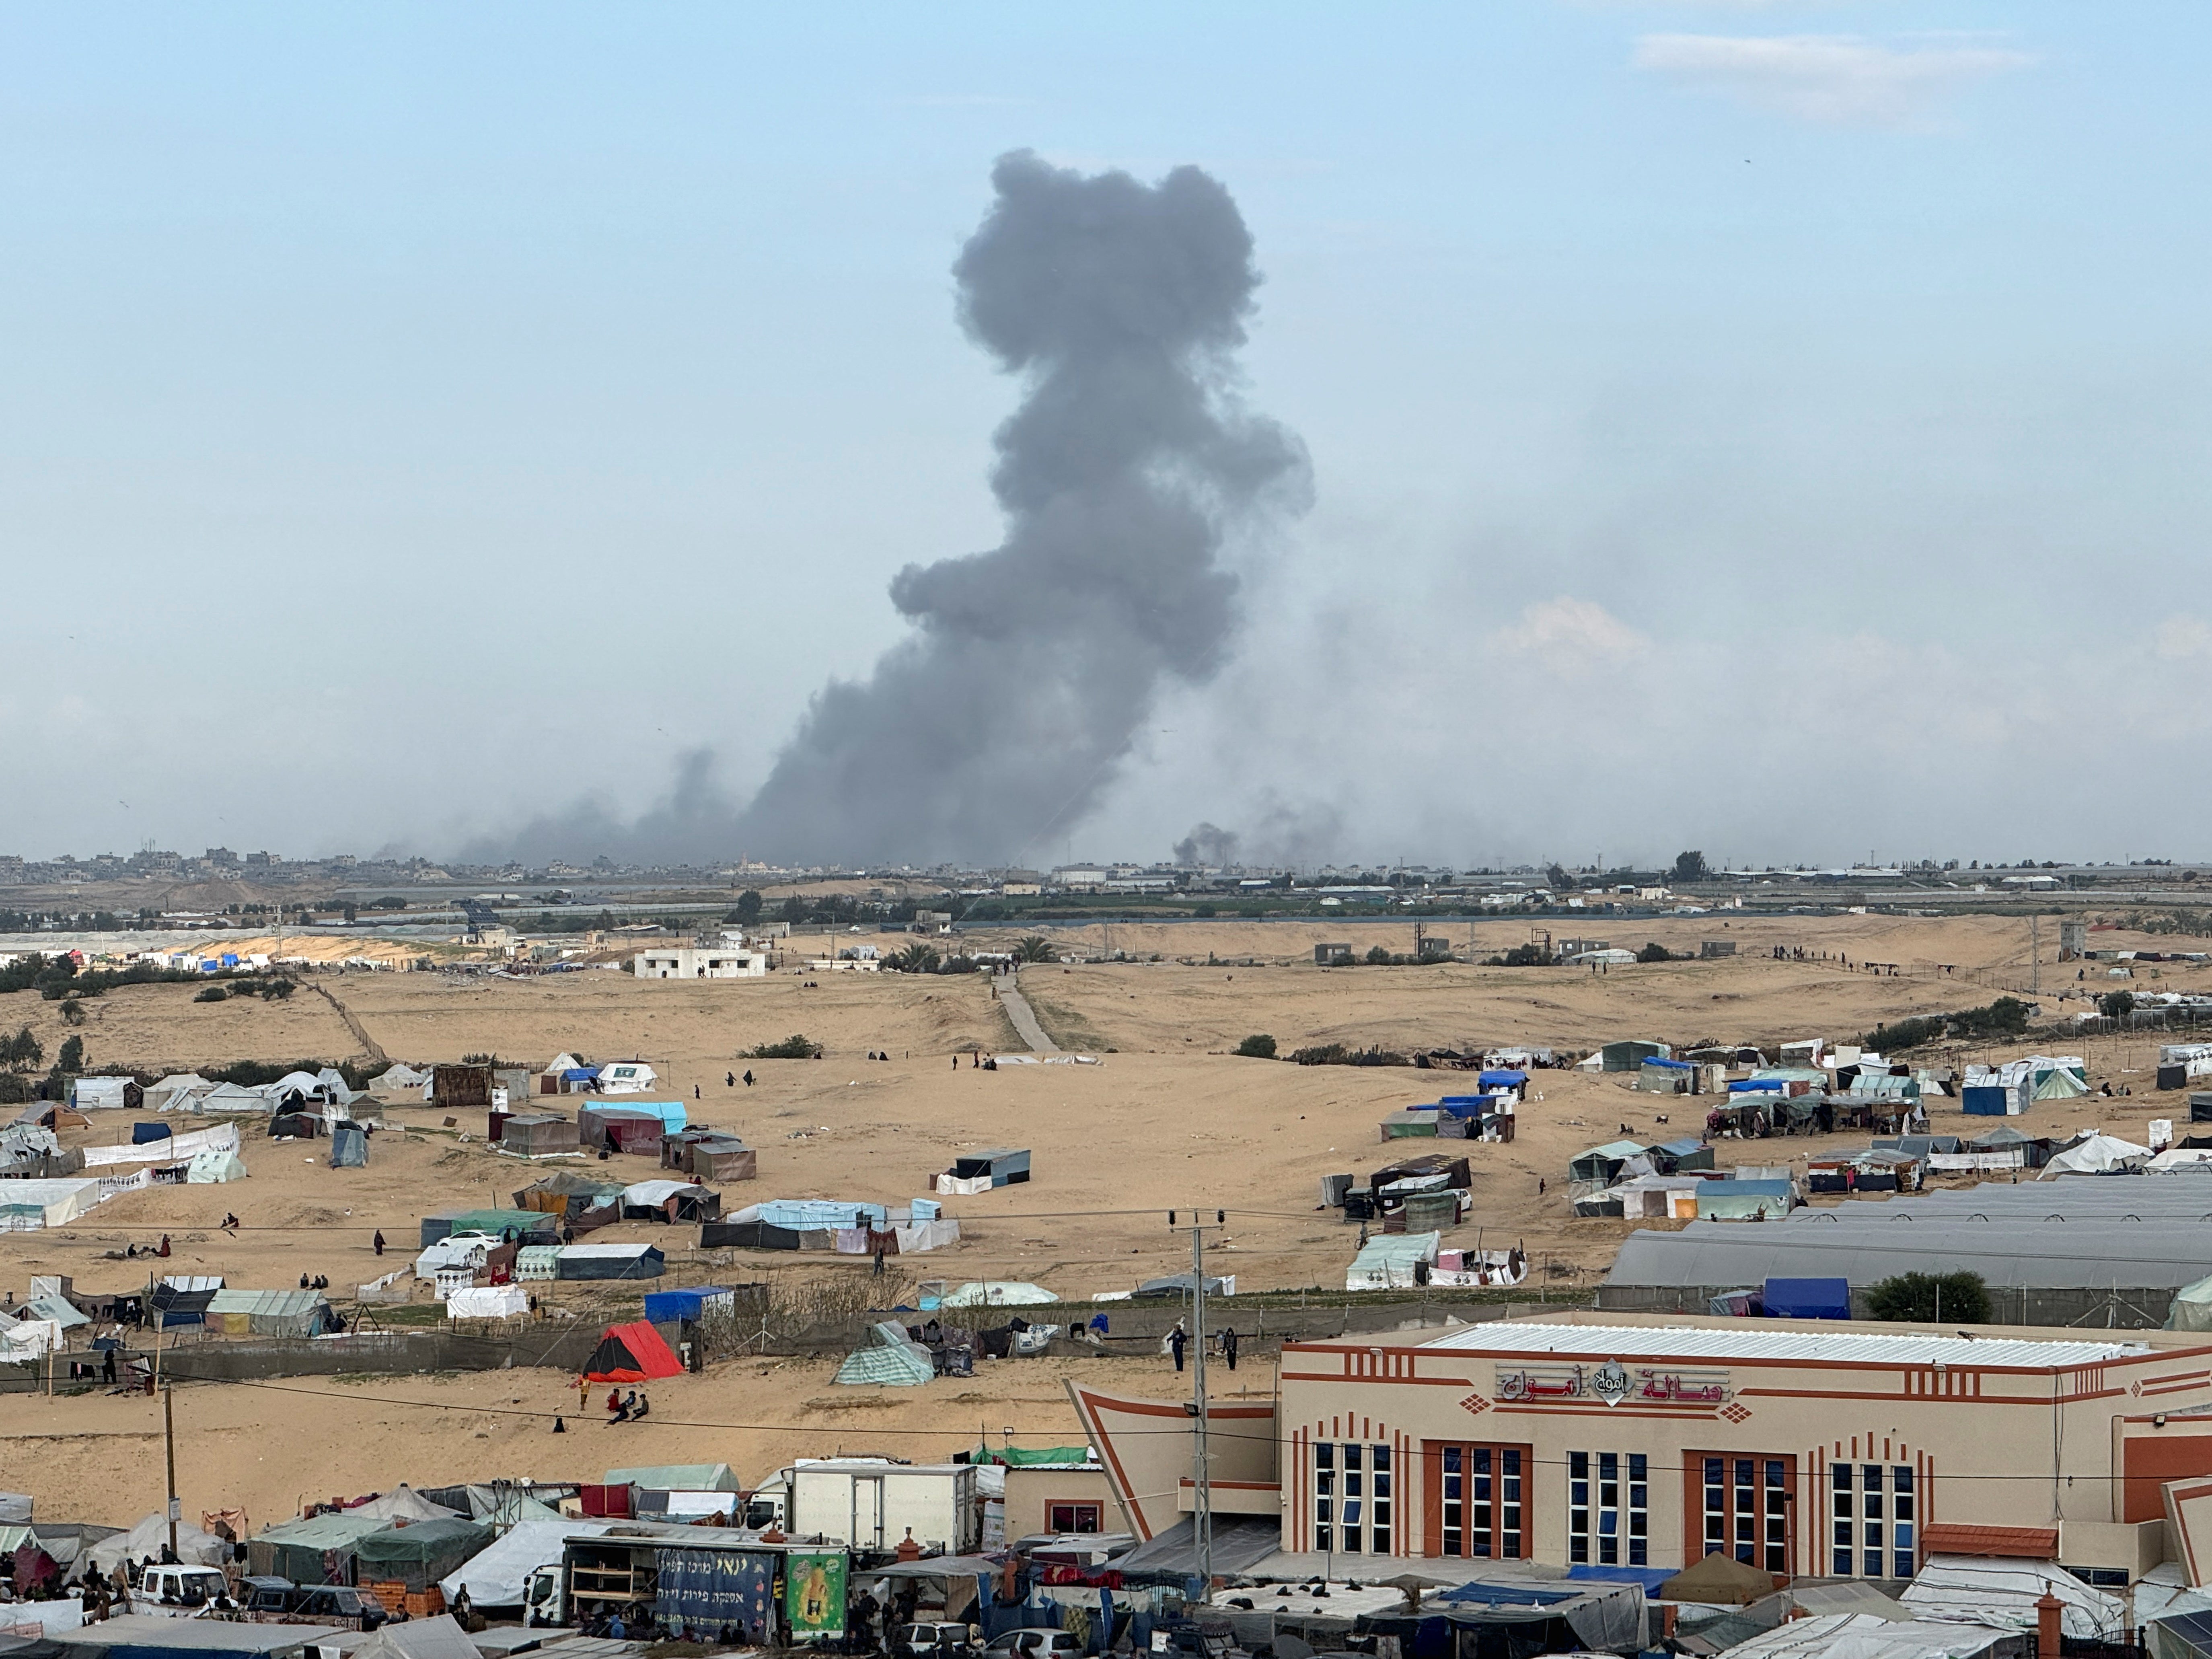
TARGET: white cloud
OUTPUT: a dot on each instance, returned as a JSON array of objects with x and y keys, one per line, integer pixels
[
  {"x": 2180, "y": 637},
  {"x": 1834, "y": 79},
  {"x": 1567, "y": 628}
]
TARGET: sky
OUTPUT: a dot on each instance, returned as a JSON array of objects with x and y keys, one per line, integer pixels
[{"x": 1775, "y": 428}]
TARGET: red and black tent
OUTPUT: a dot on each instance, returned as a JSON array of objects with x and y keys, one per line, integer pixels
[{"x": 631, "y": 1353}]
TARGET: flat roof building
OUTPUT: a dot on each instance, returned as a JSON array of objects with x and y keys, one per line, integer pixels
[{"x": 1612, "y": 1440}]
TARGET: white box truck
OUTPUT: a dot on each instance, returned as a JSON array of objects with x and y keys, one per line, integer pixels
[{"x": 873, "y": 1503}]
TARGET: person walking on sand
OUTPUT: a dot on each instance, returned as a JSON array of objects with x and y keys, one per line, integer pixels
[{"x": 377, "y": 1243}]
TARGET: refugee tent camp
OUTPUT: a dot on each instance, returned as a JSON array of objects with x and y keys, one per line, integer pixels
[
  {"x": 269, "y": 1313},
  {"x": 632, "y": 1353},
  {"x": 419, "y": 1553}
]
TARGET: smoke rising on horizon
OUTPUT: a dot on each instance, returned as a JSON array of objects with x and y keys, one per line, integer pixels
[{"x": 997, "y": 724}]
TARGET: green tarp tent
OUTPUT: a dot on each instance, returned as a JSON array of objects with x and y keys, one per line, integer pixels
[
  {"x": 420, "y": 1554},
  {"x": 296, "y": 1549}
]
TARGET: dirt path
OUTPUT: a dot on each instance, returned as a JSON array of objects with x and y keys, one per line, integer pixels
[{"x": 1025, "y": 1018}]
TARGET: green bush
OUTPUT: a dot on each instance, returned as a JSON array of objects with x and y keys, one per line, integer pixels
[
  {"x": 1336, "y": 1054},
  {"x": 792, "y": 1048},
  {"x": 1259, "y": 1046},
  {"x": 1959, "y": 1299},
  {"x": 2117, "y": 1004},
  {"x": 212, "y": 994},
  {"x": 1526, "y": 956},
  {"x": 1656, "y": 953}
]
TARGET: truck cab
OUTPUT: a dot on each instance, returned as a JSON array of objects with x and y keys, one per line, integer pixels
[{"x": 545, "y": 1597}]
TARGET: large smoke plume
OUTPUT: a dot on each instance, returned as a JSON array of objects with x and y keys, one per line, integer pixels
[
  {"x": 1031, "y": 667},
  {"x": 1128, "y": 462}
]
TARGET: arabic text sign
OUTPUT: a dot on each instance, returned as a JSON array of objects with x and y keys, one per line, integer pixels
[{"x": 1610, "y": 1382}]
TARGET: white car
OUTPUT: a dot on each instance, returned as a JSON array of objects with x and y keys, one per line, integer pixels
[
  {"x": 455, "y": 1250},
  {"x": 1035, "y": 1644}
]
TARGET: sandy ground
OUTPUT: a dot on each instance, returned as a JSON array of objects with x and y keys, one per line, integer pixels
[
  {"x": 267, "y": 1448},
  {"x": 1170, "y": 1120}
]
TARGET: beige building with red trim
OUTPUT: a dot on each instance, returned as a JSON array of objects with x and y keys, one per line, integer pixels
[{"x": 1805, "y": 1447}]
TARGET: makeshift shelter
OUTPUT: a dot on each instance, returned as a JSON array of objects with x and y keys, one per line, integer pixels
[
  {"x": 710, "y": 1155},
  {"x": 1806, "y": 1298},
  {"x": 2097, "y": 1154},
  {"x": 670, "y": 1201},
  {"x": 526, "y": 1225},
  {"x": 568, "y": 1192},
  {"x": 319, "y": 1550},
  {"x": 349, "y": 1147},
  {"x": 1720, "y": 1580},
  {"x": 89, "y": 1094},
  {"x": 1679, "y": 1156},
  {"x": 494, "y": 1576},
  {"x": 150, "y": 1537},
  {"x": 397, "y": 1076},
  {"x": 214, "y": 1167},
  {"x": 171, "y": 1309},
  {"x": 2003, "y": 1593},
  {"x": 610, "y": 1262},
  {"x": 402, "y": 1502},
  {"x": 619, "y": 1129},
  {"x": 2192, "y": 1307},
  {"x": 1415, "y": 1123},
  {"x": 420, "y": 1554},
  {"x": 890, "y": 1359},
  {"x": 1666, "y": 1077},
  {"x": 996, "y": 1293},
  {"x": 487, "y": 1302},
  {"x": 1624, "y": 1056},
  {"x": 694, "y": 1302},
  {"x": 1005, "y": 1166},
  {"x": 268, "y": 1313},
  {"x": 632, "y": 1353},
  {"x": 437, "y": 1637},
  {"x": 535, "y": 1134},
  {"x": 1603, "y": 1163},
  {"x": 296, "y": 1125},
  {"x": 1391, "y": 1261},
  {"x": 676, "y": 1477},
  {"x": 1746, "y": 1200}
]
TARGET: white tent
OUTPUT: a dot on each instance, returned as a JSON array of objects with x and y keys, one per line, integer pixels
[
  {"x": 151, "y": 1536},
  {"x": 493, "y": 1576},
  {"x": 403, "y": 1503},
  {"x": 1868, "y": 1636},
  {"x": 997, "y": 1293},
  {"x": 29, "y": 1339},
  {"x": 440, "y": 1638},
  {"x": 2099, "y": 1154},
  {"x": 487, "y": 1302},
  {"x": 1970, "y": 1589},
  {"x": 2192, "y": 1307},
  {"x": 213, "y": 1167}
]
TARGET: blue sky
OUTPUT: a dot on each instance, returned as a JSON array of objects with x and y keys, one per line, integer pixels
[{"x": 422, "y": 418}]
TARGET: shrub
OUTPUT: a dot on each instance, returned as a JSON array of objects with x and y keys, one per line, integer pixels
[
  {"x": 70, "y": 1061},
  {"x": 1904, "y": 1034},
  {"x": 1336, "y": 1054},
  {"x": 2117, "y": 1004},
  {"x": 2006, "y": 1017},
  {"x": 1033, "y": 948},
  {"x": 1654, "y": 952},
  {"x": 1378, "y": 957},
  {"x": 22, "y": 1050},
  {"x": 73, "y": 1012},
  {"x": 212, "y": 994},
  {"x": 1259, "y": 1046},
  {"x": 1526, "y": 956},
  {"x": 792, "y": 1048},
  {"x": 1959, "y": 1299}
]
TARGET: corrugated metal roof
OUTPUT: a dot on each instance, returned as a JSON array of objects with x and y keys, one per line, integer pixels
[
  {"x": 1825, "y": 1348},
  {"x": 2009, "y": 1253}
]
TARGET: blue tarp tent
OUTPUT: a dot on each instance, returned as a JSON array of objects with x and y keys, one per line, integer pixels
[
  {"x": 1756, "y": 1086},
  {"x": 1503, "y": 1080},
  {"x": 143, "y": 1134},
  {"x": 1808, "y": 1298},
  {"x": 1986, "y": 1100},
  {"x": 661, "y": 1306}
]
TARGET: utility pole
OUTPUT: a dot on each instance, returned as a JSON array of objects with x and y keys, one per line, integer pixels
[
  {"x": 169, "y": 1450},
  {"x": 1201, "y": 1513},
  {"x": 2035, "y": 953}
]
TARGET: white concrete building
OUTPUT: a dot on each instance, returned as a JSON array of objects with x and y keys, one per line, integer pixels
[{"x": 701, "y": 962}]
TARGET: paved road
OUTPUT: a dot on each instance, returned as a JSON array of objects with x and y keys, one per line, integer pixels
[{"x": 1025, "y": 1020}]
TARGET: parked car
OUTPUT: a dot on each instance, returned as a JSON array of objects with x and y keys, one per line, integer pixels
[
  {"x": 935, "y": 1641},
  {"x": 1036, "y": 1644},
  {"x": 268, "y": 1600}
]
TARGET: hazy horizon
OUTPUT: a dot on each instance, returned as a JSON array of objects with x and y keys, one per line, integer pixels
[{"x": 1775, "y": 428}]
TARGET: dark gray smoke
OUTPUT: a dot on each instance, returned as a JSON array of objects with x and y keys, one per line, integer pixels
[
  {"x": 1032, "y": 666},
  {"x": 1207, "y": 844},
  {"x": 1129, "y": 460}
]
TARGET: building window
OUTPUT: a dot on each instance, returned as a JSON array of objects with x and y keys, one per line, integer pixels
[
  {"x": 1608, "y": 1513},
  {"x": 1354, "y": 1496},
  {"x": 1874, "y": 1512},
  {"x": 1071, "y": 1517},
  {"x": 1477, "y": 1507},
  {"x": 1745, "y": 1504}
]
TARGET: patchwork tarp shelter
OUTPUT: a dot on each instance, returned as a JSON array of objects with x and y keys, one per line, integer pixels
[
  {"x": 171, "y": 1309},
  {"x": 694, "y": 1302},
  {"x": 213, "y": 1168},
  {"x": 1391, "y": 1261},
  {"x": 2097, "y": 1154},
  {"x": 2005, "y": 1593},
  {"x": 420, "y": 1554},
  {"x": 1745, "y": 1200},
  {"x": 632, "y": 1353},
  {"x": 495, "y": 1576},
  {"x": 267, "y": 1313},
  {"x": 319, "y": 1550},
  {"x": 710, "y": 1155},
  {"x": 567, "y": 1192},
  {"x": 890, "y": 1359},
  {"x": 1602, "y": 1162},
  {"x": 349, "y": 1147}
]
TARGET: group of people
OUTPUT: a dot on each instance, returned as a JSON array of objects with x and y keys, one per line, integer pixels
[
  {"x": 320, "y": 1282},
  {"x": 1179, "y": 1340},
  {"x": 132, "y": 1252},
  {"x": 631, "y": 1407}
]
